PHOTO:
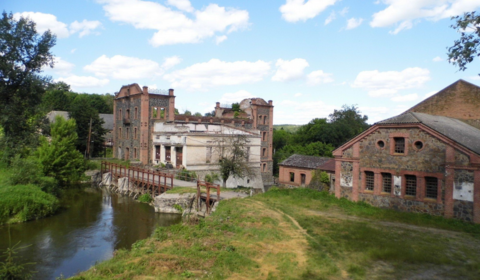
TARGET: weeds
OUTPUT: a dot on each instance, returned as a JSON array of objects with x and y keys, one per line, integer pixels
[{"x": 146, "y": 198}]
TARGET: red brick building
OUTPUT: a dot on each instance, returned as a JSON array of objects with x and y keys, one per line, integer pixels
[
  {"x": 414, "y": 162},
  {"x": 298, "y": 170}
]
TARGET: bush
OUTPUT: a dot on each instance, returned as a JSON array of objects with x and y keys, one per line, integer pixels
[
  {"x": 186, "y": 175},
  {"x": 25, "y": 202},
  {"x": 145, "y": 198},
  {"x": 320, "y": 181},
  {"x": 28, "y": 171},
  {"x": 212, "y": 177}
]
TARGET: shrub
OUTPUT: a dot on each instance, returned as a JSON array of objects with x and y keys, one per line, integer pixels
[
  {"x": 186, "y": 175},
  {"x": 212, "y": 177},
  {"x": 145, "y": 198}
]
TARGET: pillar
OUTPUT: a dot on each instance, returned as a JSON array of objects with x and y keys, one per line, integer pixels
[
  {"x": 476, "y": 197},
  {"x": 355, "y": 180},
  {"x": 338, "y": 168},
  {"x": 184, "y": 157}
]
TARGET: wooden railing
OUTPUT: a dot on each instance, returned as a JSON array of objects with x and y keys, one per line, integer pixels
[
  {"x": 149, "y": 181},
  {"x": 208, "y": 186}
]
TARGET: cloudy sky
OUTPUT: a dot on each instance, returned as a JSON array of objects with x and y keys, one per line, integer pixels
[{"x": 308, "y": 56}]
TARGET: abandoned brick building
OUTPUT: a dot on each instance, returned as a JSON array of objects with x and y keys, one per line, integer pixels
[
  {"x": 414, "y": 162},
  {"x": 298, "y": 170},
  {"x": 148, "y": 130}
]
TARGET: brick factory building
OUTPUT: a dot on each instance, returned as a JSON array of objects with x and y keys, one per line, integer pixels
[{"x": 414, "y": 162}]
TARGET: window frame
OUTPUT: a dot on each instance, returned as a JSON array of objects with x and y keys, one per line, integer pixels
[
  {"x": 408, "y": 187},
  {"x": 369, "y": 181}
]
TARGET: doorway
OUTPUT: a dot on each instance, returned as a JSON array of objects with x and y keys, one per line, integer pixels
[
  {"x": 179, "y": 155},
  {"x": 303, "y": 178},
  {"x": 168, "y": 154}
]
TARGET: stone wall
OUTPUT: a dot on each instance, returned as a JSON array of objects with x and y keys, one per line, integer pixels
[
  {"x": 463, "y": 210},
  {"x": 405, "y": 205},
  {"x": 346, "y": 192},
  {"x": 431, "y": 158},
  {"x": 346, "y": 174}
]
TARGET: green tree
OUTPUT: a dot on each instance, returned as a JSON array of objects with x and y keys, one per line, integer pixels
[
  {"x": 187, "y": 113},
  {"x": 23, "y": 54},
  {"x": 56, "y": 100},
  {"x": 280, "y": 139},
  {"x": 82, "y": 112},
  {"x": 233, "y": 157},
  {"x": 58, "y": 157},
  {"x": 197, "y": 114},
  {"x": 465, "y": 49},
  {"x": 345, "y": 124},
  {"x": 62, "y": 86}
]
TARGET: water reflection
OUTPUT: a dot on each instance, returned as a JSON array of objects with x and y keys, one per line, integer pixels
[{"x": 94, "y": 225}]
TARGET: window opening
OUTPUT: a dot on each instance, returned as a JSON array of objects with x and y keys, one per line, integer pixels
[
  {"x": 292, "y": 177},
  {"x": 399, "y": 145},
  {"x": 381, "y": 144},
  {"x": 264, "y": 152},
  {"x": 387, "y": 182},
  {"x": 431, "y": 187},
  {"x": 128, "y": 130},
  {"x": 136, "y": 113},
  {"x": 411, "y": 185},
  {"x": 369, "y": 180},
  {"x": 418, "y": 145}
]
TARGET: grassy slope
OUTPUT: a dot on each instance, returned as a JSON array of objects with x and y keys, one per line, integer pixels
[
  {"x": 301, "y": 234},
  {"x": 21, "y": 203}
]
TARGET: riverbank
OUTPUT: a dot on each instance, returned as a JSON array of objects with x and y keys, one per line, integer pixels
[
  {"x": 301, "y": 234},
  {"x": 20, "y": 203}
]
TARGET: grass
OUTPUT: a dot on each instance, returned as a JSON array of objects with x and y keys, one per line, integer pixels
[
  {"x": 301, "y": 234},
  {"x": 21, "y": 203}
]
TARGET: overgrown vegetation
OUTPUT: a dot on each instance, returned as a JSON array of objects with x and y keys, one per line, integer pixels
[
  {"x": 146, "y": 198},
  {"x": 186, "y": 175},
  {"x": 212, "y": 177},
  {"x": 12, "y": 268},
  {"x": 301, "y": 234},
  {"x": 320, "y": 136}
]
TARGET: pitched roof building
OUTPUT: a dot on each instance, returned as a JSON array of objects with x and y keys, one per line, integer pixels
[{"x": 297, "y": 170}]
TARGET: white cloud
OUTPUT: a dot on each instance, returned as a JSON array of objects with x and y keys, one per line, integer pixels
[
  {"x": 330, "y": 18},
  {"x": 233, "y": 97},
  {"x": 475, "y": 78},
  {"x": 344, "y": 11},
  {"x": 390, "y": 82},
  {"x": 183, "y": 5},
  {"x": 174, "y": 27},
  {"x": 83, "y": 81},
  {"x": 405, "y": 98},
  {"x": 354, "y": 23},
  {"x": 319, "y": 77},
  {"x": 73, "y": 50},
  {"x": 404, "y": 13},
  {"x": 289, "y": 70},
  {"x": 296, "y": 10},
  {"x": 84, "y": 27},
  {"x": 293, "y": 112},
  {"x": 128, "y": 68},
  {"x": 437, "y": 59},
  {"x": 297, "y": 94},
  {"x": 218, "y": 73},
  {"x": 62, "y": 67},
  {"x": 170, "y": 62},
  {"x": 220, "y": 39},
  {"x": 46, "y": 22}
]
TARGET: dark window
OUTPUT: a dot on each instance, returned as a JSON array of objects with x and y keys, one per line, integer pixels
[
  {"x": 431, "y": 187},
  {"x": 418, "y": 145},
  {"x": 381, "y": 144},
  {"x": 136, "y": 112},
  {"x": 399, "y": 145},
  {"x": 292, "y": 177},
  {"x": 387, "y": 182},
  {"x": 264, "y": 152},
  {"x": 369, "y": 180},
  {"x": 411, "y": 185},
  {"x": 264, "y": 136}
]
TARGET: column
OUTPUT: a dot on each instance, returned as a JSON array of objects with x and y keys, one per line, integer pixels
[
  {"x": 476, "y": 197},
  {"x": 377, "y": 189},
  {"x": 173, "y": 156},
  {"x": 355, "y": 180},
  {"x": 338, "y": 167},
  {"x": 184, "y": 157},
  {"x": 449, "y": 178}
]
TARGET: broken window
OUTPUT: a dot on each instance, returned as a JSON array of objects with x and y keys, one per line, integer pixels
[
  {"x": 264, "y": 136},
  {"x": 136, "y": 113},
  {"x": 387, "y": 182},
  {"x": 120, "y": 114},
  {"x": 292, "y": 177},
  {"x": 119, "y": 133},
  {"x": 411, "y": 185},
  {"x": 134, "y": 152},
  {"x": 162, "y": 113},
  {"x": 264, "y": 167},
  {"x": 264, "y": 152},
  {"x": 369, "y": 180},
  {"x": 264, "y": 119},
  {"x": 128, "y": 130},
  {"x": 134, "y": 133},
  {"x": 127, "y": 113},
  {"x": 399, "y": 145},
  {"x": 431, "y": 187},
  {"x": 154, "y": 112}
]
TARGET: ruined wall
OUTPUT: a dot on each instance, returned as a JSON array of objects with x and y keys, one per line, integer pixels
[
  {"x": 346, "y": 174},
  {"x": 121, "y": 140},
  {"x": 431, "y": 158},
  {"x": 405, "y": 205}
]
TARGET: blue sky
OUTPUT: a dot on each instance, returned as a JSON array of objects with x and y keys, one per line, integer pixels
[{"x": 308, "y": 56}]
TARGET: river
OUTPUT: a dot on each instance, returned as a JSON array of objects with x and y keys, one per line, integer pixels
[{"x": 89, "y": 228}]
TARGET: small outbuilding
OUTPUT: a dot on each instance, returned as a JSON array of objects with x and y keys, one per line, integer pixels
[{"x": 298, "y": 170}]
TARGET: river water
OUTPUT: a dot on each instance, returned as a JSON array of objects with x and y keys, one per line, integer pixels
[{"x": 94, "y": 225}]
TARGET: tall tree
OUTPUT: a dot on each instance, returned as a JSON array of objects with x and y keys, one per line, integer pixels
[
  {"x": 82, "y": 112},
  {"x": 23, "y": 54},
  {"x": 56, "y": 100},
  {"x": 465, "y": 49}
]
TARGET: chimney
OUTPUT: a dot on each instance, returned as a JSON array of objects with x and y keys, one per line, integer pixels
[
  {"x": 270, "y": 102},
  {"x": 145, "y": 90},
  {"x": 170, "y": 92},
  {"x": 218, "y": 105}
]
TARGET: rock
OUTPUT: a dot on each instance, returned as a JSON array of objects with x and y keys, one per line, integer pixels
[{"x": 165, "y": 203}]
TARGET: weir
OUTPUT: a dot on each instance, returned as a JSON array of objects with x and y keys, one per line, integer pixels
[{"x": 146, "y": 181}]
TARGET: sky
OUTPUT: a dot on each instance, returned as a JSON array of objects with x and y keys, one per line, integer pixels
[{"x": 309, "y": 56}]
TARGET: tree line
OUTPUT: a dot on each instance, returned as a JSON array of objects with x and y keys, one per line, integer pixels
[{"x": 320, "y": 136}]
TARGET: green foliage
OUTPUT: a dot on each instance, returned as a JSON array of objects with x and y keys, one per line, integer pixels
[
  {"x": 59, "y": 158},
  {"x": 187, "y": 113},
  {"x": 11, "y": 269},
  {"x": 197, "y": 114},
  {"x": 24, "y": 53},
  {"x": 56, "y": 100},
  {"x": 82, "y": 112},
  {"x": 186, "y": 175},
  {"x": 236, "y": 107},
  {"x": 233, "y": 156},
  {"x": 25, "y": 202},
  {"x": 212, "y": 177},
  {"x": 187, "y": 274},
  {"x": 465, "y": 49},
  {"x": 320, "y": 181},
  {"x": 178, "y": 207},
  {"x": 146, "y": 198}
]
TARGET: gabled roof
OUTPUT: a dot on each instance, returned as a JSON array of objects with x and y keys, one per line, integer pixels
[
  {"x": 462, "y": 133},
  {"x": 311, "y": 162},
  {"x": 328, "y": 166}
]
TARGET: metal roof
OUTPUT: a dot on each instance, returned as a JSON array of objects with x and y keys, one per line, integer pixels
[
  {"x": 311, "y": 162},
  {"x": 462, "y": 133}
]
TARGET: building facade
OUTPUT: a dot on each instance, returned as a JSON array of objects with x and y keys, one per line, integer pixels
[
  {"x": 414, "y": 162},
  {"x": 148, "y": 130},
  {"x": 298, "y": 170}
]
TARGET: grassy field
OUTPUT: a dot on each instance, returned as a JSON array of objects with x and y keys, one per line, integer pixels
[{"x": 301, "y": 234}]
